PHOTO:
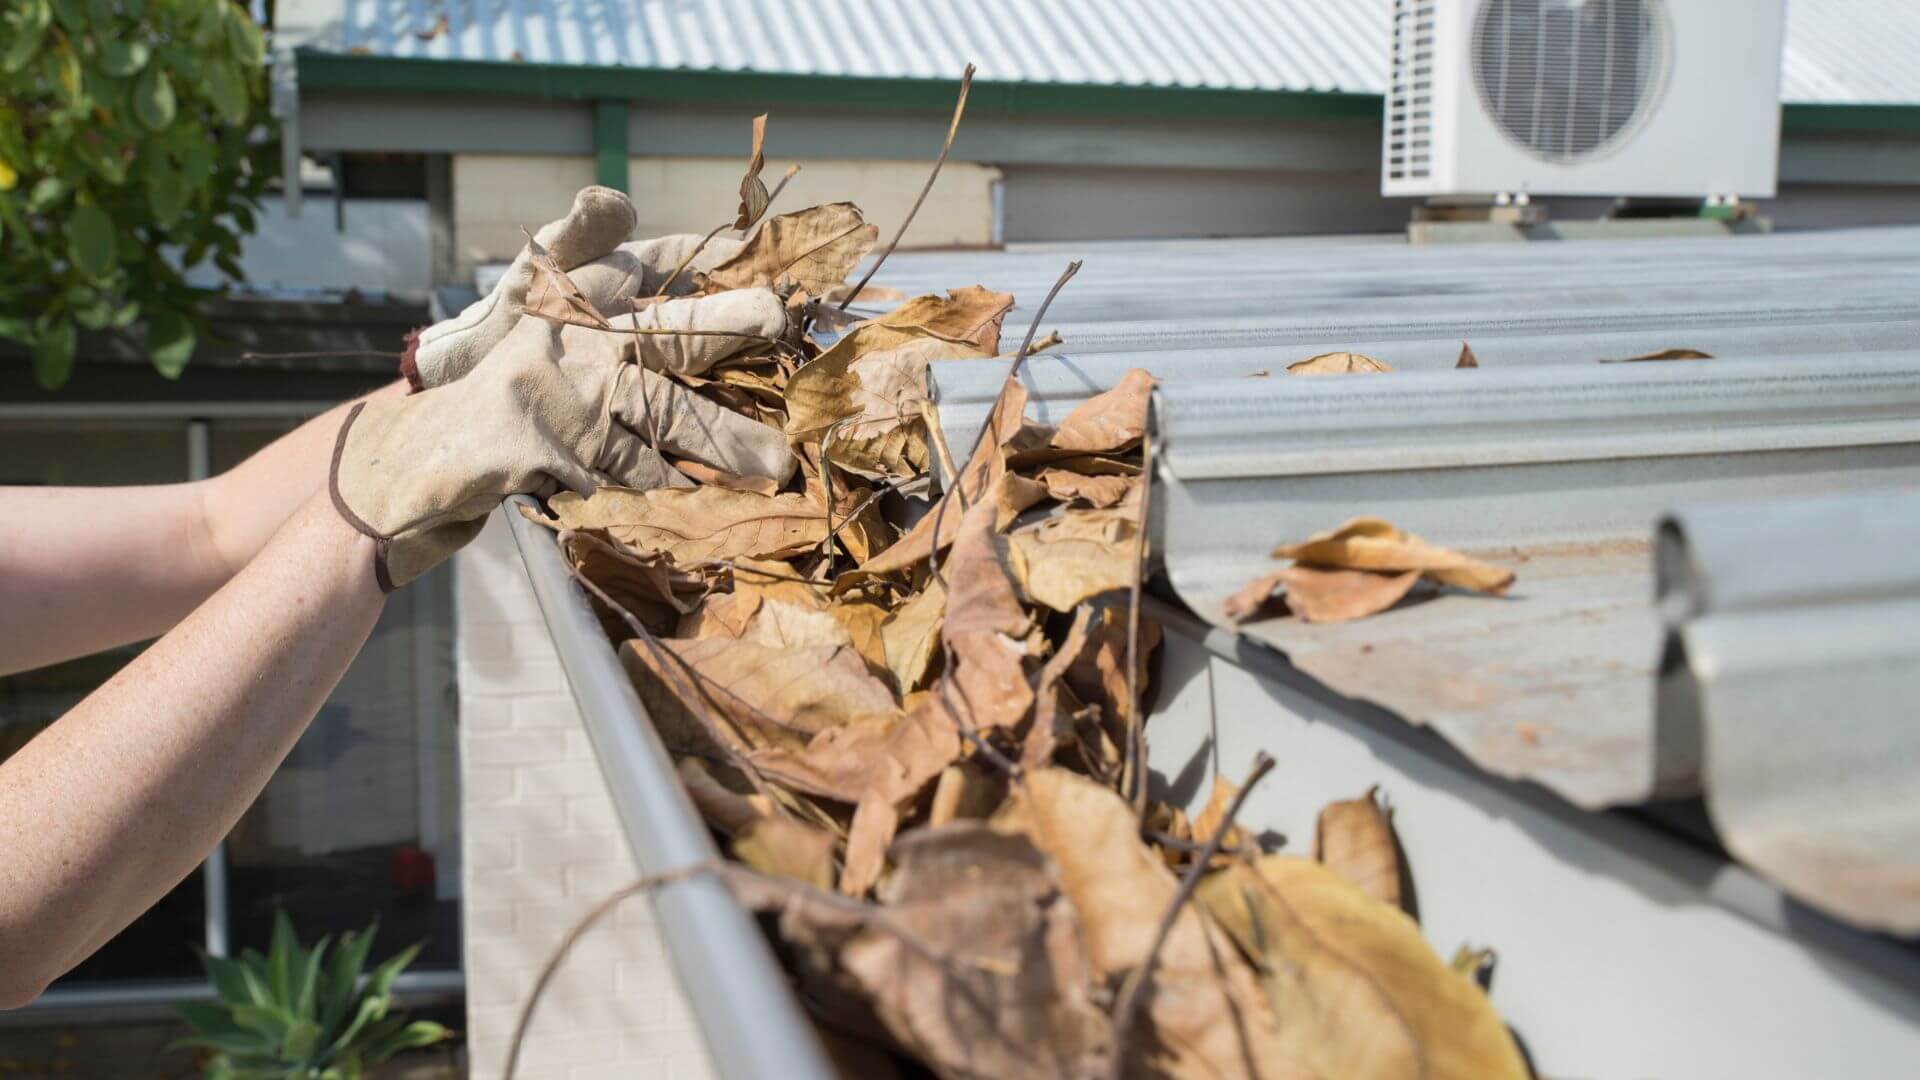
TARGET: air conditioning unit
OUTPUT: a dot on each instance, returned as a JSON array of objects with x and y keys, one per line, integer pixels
[{"x": 1662, "y": 98}]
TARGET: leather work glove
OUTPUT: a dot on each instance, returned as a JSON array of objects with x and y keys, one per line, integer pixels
[
  {"x": 552, "y": 407},
  {"x": 587, "y": 244}
]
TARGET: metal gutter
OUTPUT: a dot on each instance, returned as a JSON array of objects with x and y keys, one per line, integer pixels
[
  {"x": 1557, "y": 471},
  {"x": 751, "y": 1021},
  {"x": 1793, "y": 662},
  {"x": 321, "y": 71}
]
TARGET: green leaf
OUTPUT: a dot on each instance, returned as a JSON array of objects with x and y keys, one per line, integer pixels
[
  {"x": 282, "y": 954},
  {"x": 343, "y": 977},
  {"x": 269, "y": 1020},
  {"x": 246, "y": 1043},
  {"x": 28, "y": 25},
  {"x": 153, "y": 101},
  {"x": 71, "y": 15},
  {"x": 49, "y": 190},
  {"x": 207, "y": 1018},
  {"x": 124, "y": 316},
  {"x": 244, "y": 40},
  {"x": 90, "y": 240},
  {"x": 170, "y": 341},
  {"x": 301, "y": 1041},
  {"x": 411, "y": 1037},
  {"x": 227, "y": 90},
  {"x": 381, "y": 983},
  {"x": 306, "y": 978},
  {"x": 229, "y": 978},
  {"x": 121, "y": 58},
  {"x": 166, "y": 190}
]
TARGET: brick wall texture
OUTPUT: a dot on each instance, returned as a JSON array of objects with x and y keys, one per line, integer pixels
[{"x": 542, "y": 846}]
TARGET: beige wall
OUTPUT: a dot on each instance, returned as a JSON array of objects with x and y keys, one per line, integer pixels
[
  {"x": 495, "y": 195},
  {"x": 541, "y": 847}
]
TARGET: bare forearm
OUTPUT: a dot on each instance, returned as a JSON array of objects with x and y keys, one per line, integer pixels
[
  {"x": 118, "y": 801},
  {"x": 85, "y": 569}
]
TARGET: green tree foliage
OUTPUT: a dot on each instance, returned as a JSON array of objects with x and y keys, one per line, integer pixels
[{"x": 129, "y": 130}]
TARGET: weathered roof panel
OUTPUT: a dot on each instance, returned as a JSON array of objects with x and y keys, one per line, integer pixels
[{"x": 1837, "y": 52}]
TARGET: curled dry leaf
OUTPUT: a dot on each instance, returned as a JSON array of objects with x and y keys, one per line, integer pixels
[
  {"x": 553, "y": 296},
  {"x": 911, "y": 636},
  {"x": 1238, "y": 841},
  {"x": 1663, "y": 354},
  {"x": 1110, "y": 421},
  {"x": 1098, "y": 676},
  {"x": 986, "y": 624},
  {"x": 1337, "y": 363},
  {"x": 1373, "y": 544},
  {"x": 1205, "y": 1016},
  {"x": 699, "y": 523},
  {"x": 1065, "y": 560},
  {"x": 753, "y": 190},
  {"x": 724, "y": 808},
  {"x": 707, "y": 474},
  {"x": 1012, "y": 997},
  {"x": 770, "y": 696},
  {"x": 1360, "y": 992},
  {"x": 1354, "y": 838},
  {"x": 1467, "y": 359},
  {"x": 1320, "y": 595},
  {"x": 888, "y": 758},
  {"x": 971, "y": 316},
  {"x": 1065, "y": 485},
  {"x": 787, "y": 848},
  {"x": 816, "y": 247}
]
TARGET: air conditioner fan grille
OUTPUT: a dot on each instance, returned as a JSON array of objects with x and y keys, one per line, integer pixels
[{"x": 1568, "y": 79}]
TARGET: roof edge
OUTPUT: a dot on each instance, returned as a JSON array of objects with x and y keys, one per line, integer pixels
[{"x": 580, "y": 82}]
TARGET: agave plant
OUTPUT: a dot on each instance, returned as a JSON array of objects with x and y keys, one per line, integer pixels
[{"x": 301, "y": 1014}]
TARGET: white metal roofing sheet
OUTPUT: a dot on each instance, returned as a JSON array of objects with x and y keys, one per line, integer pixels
[{"x": 1838, "y": 51}]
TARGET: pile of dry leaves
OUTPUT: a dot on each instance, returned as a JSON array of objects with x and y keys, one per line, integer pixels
[{"x": 927, "y": 743}]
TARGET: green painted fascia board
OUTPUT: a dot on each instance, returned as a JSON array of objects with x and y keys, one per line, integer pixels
[
  {"x": 1850, "y": 118},
  {"x": 610, "y": 144},
  {"x": 567, "y": 82},
  {"x": 583, "y": 82}
]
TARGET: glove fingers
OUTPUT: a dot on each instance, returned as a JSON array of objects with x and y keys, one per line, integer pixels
[
  {"x": 629, "y": 462},
  {"x": 661, "y": 256},
  {"x": 600, "y": 219},
  {"x": 753, "y": 314},
  {"x": 691, "y": 426}
]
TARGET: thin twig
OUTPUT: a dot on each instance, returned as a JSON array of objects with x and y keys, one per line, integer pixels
[
  {"x": 778, "y": 188},
  {"x": 573, "y": 935},
  {"x": 1026, "y": 343},
  {"x": 959, "y": 108},
  {"x": 688, "y": 261},
  {"x": 1175, "y": 843},
  {"x": 967, "y": 727},
  {"x": 1136, "y": 725},
  {"x": 1129, "y": 1003}
]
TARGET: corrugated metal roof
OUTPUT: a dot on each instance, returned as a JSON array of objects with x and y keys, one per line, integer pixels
[{"x": 1838, "y": 51}]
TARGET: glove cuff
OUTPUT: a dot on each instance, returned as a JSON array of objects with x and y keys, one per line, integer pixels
[
  {"x": 410, "y": 362},
  {"x": 381, "y": 573}
]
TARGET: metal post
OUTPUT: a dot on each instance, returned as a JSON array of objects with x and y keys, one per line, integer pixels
[
  {"x": 214, "y": 871},
  {"x": 610, "y": 144}
]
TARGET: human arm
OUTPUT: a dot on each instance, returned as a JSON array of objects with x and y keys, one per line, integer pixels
[
  {"x": 122, "y": 797},
  {"x": 89, "y": 568}
]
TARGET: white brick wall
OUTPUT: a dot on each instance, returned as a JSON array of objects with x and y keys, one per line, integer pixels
[{"x": 541, "y": 847}]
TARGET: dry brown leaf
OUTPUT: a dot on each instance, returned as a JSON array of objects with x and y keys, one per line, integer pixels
[
  {"x": 858, "y": 525},
  {"x": 753, "y": 190},
  {"x": 553, "y": 296},
  {"x": 1203, "y": 1007},
  {"x": 1080, "y": 554},
  {"x": 911, "y": 636},
  {"x": 1098, "y": 491},
  {"x": 1373, "y": 544},
  {"x": 787, "y": 848},
  {"x": 1238, "y": 840},
  {"x": 1052, "y": 699},
  {"x": 1013, "y": 996},
  {"x": 1354, "y": 838},
  {"x": 865, "y": 401},
  {"x": 969, "y": 316},
  {"x": 707, "y": 474},
  {"x": 725, "y": 809},
  {"x": 699, "y": 523},
  {"x": 1337, "y": 363},
  {"x": 888, "y": 757},
  {"x": 782, "y": 625},
  {"x": 1109, "y": 421},
  {"x": 875, "y": 821},
  {"x": 863, "y": 623},
  {"x": 1467, "y": 359},
  {"x": 1663, "y": 354},
  {"x": 1253, "y": 598},
  {"x": 816, "y": 247},
  {"x": 1360, "y": 992},
  {"x": 1320, "y": 595},
  {"x": 724, "y": 615},
  {"x": 1099, "y": 675},
  {"x": 986, "y": 624},
  {"x": 644, "y": 586},
  {"x": 771, "y": 696},
  {"x": 965, "y": 790}
]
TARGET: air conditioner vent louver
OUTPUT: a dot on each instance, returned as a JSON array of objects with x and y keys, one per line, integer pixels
[
  {"x": 1569, "y": 79},
  {"x": 1410, "y": 102}
]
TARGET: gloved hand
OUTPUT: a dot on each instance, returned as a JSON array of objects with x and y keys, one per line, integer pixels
[
  {"x": 587, "y": 245},
  {"x": 550, "y": 407}
]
